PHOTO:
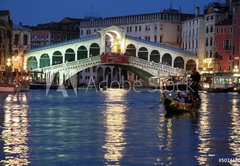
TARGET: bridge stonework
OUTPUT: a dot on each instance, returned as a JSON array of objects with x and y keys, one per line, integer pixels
[{"x": 68, "y": 58}]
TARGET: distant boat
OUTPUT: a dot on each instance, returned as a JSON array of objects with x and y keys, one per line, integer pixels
[
  {"x": 176, "y": 103},
  {"x": 221, "y": 84},
  {"x": 7, "y": 88}
]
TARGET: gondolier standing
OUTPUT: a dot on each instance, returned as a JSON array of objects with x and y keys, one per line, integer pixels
[{"x": 194, "y": 84}]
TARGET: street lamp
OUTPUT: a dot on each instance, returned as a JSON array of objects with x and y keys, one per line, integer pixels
[{"x": 235, "y": 70}]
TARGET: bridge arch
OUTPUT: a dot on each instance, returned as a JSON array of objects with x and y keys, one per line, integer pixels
[
  {"x": 100, "y": 74},
  {"x": 143, "y": 53},
  {"x": 82, "y": 53},
  {"x": 167, "y": 59},
  {"x": 108, "y": 76},
  {"x": 190, "y": 64},
  {"x": 116, "y": 74},
  {"x": 94, "y": 50},
  {"x": 32, "y": 63},
  {"x": 57, "y": 58},
  {"x": 69, "y": 55},
  {"x": 131, "y": 50},
  {"x": 44, "y": 60},
  {"x": 179, "y": 62},
  {"x": 155, "y": 56}
]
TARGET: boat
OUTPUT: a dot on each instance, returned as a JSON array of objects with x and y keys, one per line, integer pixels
[
  {"x": 7, "y": 88},
  {"x": 220, "y": 83},
  {"x": 179, "y": 102}
]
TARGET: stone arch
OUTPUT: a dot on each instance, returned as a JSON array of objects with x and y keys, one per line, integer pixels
[
  {"x": 179, "y": 62},
  {"x": 116, "y": 74},
  {"x": 100, "y": 74},
  {"x": 44, "y": 60},
  {"x": 57, "y": 58},
  {"x": 143, "y": 53},
  {"x": 82, "y": 52},
  {"x": 108, "y": 75},
  {"x": 155, "y": 56},
  {"x": 131, "y": 50},
  {"x": 190, "y": 64},
  {"x": 32, "y": 63},
  {"x": 94, "y": 50},
  {"x": 69, "y": 55},
  {"x": 167, "y": 59}
]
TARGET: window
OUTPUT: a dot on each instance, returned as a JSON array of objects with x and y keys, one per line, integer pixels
[
  {"x": 225, "y": 30},
  {"x": 161, "y": 39},
  {"x": 136, "y": 28},
  {"x": 211, "y": 41},
  {"x": 229, "y": 68},
  {"x": 206, "y": 41},
  {"x": 230, "y": 57},
  {"x": 155, "y": 39},
  {"x": 227, "y": 45},
  {"x": 140, "y": 28},
  {"x": 16, "y": 39},
  {"x": 178, "y": 28},
  {"x": 211, "y": 29},
  {"x": 130, "y": 29},
  {"x": 217, "y": 30},
  {"x": 147, "y": 38},
  {"x": 25, "y": 40},
  {"x": 216, "y": 44},
  {"x": 235, "y": 21},
  {"x": 207, "y": 30}
]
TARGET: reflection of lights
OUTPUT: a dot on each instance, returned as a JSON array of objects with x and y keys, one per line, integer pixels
[
  {"x": 115, "y": 120},
  {"x": 204, "y": 133},
  {"x": 15, "y": 131},
  {"x": 234, "y": 138},
  {"x": 206, "y": 86},
  {"x": 165, "y": 135}
]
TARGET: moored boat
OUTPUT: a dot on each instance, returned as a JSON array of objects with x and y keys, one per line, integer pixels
[{"x": 180, "y": 103}]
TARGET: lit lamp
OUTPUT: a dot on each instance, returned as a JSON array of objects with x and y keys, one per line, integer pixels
[
  {"x": 235, "y": 70},
  {"x": 8, "y": 62}
]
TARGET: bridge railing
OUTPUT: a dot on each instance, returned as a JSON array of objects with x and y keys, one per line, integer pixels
[
  {"x": 157, "y": 65},
  {"x": 73, "y": 63}
]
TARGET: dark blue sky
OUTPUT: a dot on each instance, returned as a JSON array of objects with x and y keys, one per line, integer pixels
[{"x": 33, "y": 12}]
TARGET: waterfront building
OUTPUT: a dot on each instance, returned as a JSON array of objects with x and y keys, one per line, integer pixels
[
  {"x": 5, "y": 39},
  {"x": 54, "y": 32},
  {"x": 21, "y": 42},
  {"x": 236, "y": 36},
  {"x": 214, "y": 13},
  {"x": 193, "y": 36},
  {"x": 162, "y": 27},
  {"x": 223, "y": 46}
]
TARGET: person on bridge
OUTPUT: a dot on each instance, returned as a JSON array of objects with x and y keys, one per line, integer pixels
[{"x": 194, "y": 84}]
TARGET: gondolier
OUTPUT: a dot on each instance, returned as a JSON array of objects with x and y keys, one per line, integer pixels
[{"x": 194, "y": 84}]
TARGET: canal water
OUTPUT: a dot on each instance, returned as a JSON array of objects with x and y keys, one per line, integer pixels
[{"x": 116, "y": 127}]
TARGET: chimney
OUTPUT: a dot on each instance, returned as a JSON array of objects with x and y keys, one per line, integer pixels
[{"x": 197, "y": 11}]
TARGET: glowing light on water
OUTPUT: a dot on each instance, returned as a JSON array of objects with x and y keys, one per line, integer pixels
[
  {"x": 15, "y": 130},
  {"x": 114, "y": 122}
]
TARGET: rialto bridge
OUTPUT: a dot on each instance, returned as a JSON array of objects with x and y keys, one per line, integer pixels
[{"x": 110, "y": 46}]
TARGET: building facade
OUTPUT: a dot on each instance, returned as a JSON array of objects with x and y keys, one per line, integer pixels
[
  {"x": 236, "y": 36},
  {"x": 21, "y": 42},
  {"x": 50, "y": 33},
  {"x": 214, "y": 13},
  {"x": 163, "y": 27},
  {"x": 223, "y": 46},
  {"x": 193, "y": 36},
  {"x": 5, "y": 39}
]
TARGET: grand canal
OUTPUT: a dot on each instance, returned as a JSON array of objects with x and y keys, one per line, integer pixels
[{"x": 116, "y": 127}]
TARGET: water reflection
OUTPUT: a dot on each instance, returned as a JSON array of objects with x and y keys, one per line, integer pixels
[
  {"x": 203, "y": 132},
  {"x": 165, "y": 135},
  {"x": 15, "y": 130},
  {"x": 114, "y": 122},
  {"x": 235, "y": 129}
]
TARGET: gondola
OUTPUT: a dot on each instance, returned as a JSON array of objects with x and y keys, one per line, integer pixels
[{"x": 177, "y": 103}]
